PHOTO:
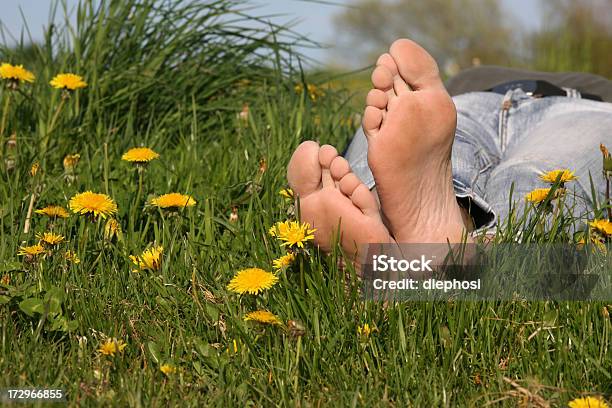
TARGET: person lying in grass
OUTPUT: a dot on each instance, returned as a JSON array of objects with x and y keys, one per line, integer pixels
[{"x": 429, "y": 168}]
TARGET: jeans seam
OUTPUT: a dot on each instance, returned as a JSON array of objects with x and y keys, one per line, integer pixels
[{"x": 503, "y": 122}]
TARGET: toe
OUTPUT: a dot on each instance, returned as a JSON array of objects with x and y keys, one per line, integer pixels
[
  {"x": 349, "y": 183},
  {"x": 387, "y": 60},
  {"x": 382, "y": 78},
  {"x": 377, "y": 98},
  {"x": 304, "y": 170},
  {"x": 399, "y": 85},
  {"x": 327, "y": 154},
  {"x": 363, "y": 198},
  {"x": 339, "y": 168},
  {"x": 415, "y": 65},
  {"x": 372, "y": 118},
  {"x": 360, "y": 195}
]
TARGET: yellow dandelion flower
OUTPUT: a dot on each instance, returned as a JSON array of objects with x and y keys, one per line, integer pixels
[
  {"x": 252, "y": 280},
  {"x": 93, "y": 204},
  {"x": 53, "y": 211},
  {"x": 314, "y": 92},
  {"x": 262, "y": 316},
  {"x": 32, "y": 250},
  {"x": 602, "y": 226},
  {"x": 173, "y": 200},
  {"x": 16, "y": 73},
  {"x": 561, "y": 175},
  {"x": 112, "y": 228},
  {"x": 49, "y": 238},
  {"x": 71, "y": 161},
  {"x": 588, "y": 402},
  {"x": 68, "y": 81},
  {"x": 167, "y": 369},
  {"x": 278, "y": 229},
  {"x": 364, "y": 331},
  {"x": 296, "y": 234},
  {"x": 34, "y": 169},
  {"x": 283, "y": 261},
  {"x": 597, "y": 244},
  {"x": 150, "y": 259},
  {"x": 112, "y": 346},
  {"x": 538, "y": 195},
  {"x": 286, "y": 192},
  {"x": 139, "y": 155},
  {"x": 72, "y": 257}
]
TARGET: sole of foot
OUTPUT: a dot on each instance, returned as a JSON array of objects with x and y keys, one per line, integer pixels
[
  {"x": 410, "y": 122},
  {"x": 333, "y": 200}
]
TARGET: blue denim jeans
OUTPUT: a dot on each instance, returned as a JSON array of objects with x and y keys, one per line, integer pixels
[{"x": 509, "y": 139}]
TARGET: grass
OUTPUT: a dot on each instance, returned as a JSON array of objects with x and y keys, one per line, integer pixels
[{"x": 175, "y": 79}]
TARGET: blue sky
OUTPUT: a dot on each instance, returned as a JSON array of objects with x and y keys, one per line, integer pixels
[{"x": 315, "y": 20}]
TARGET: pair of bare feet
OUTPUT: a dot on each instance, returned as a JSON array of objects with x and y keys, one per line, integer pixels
[{"x": 409, "y": 122}]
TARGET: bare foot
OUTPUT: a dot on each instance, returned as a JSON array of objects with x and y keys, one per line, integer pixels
[
  {"x": 410, "y": 124},
  {"x": 331, "y": 196}
]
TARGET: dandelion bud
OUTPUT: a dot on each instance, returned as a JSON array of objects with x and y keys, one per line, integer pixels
[
  {"x": 295, "y": 328},
  {"x": 244, "y": 113},
  {"x": 112, "y": 228},
  {"x": 12, "y": 142},
  {"x": 34, "y": 169},
  {"x": 607, "y": 159},
  {"x": 9, "y": 162},
  {"x": 364, "y": 332},
  {"x": 234, "y": 215},
  {"x": 71, "y": 161}
]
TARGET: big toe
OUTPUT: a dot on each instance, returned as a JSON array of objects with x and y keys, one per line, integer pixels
[
  {"x": 304, "y": 170},
  {"x": 327, "y": 154},
  {"x": 415, "y": 65}
]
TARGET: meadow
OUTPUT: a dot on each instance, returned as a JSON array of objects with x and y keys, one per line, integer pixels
[{"x": 131, "y": 307}]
